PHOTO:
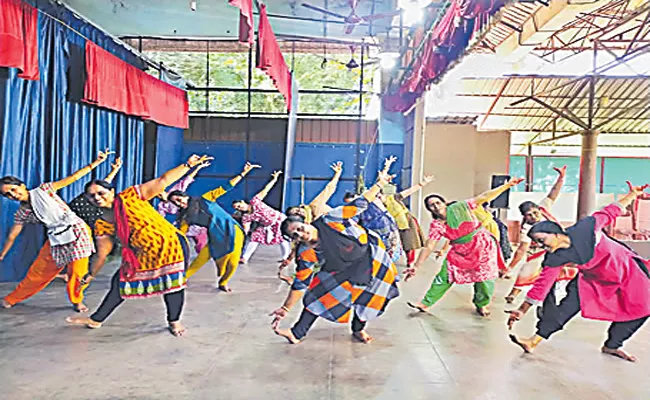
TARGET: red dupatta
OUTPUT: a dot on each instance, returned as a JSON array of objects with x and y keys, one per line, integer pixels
[{"x": 130, "y": 262}]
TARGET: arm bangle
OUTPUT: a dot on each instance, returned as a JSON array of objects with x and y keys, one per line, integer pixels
[{"x": 285, "y": 308}]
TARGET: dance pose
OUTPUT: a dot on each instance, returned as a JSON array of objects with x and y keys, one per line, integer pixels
[
  {"x": 196, "y": 233},
  {"x": 69, "y": 243},
  {"x": 613, "y": 283},
  {"x": 225, "y": 235},
  {"x": 410, "y": 232},
  {"x": 154, "y": 252},
  {"x": 357, "y": 278},
  {"x": 534, "y": 254},
  {"x": 311, "y": 212},
  {"x": 474, "y": 257},
  {"x": 268, "y": 233}
]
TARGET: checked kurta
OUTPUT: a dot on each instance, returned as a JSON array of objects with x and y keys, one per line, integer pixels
[{"x": 333, "y": 299}]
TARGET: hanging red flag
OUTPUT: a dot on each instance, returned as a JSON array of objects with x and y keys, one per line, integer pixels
[
  {"x": 246, "y": 34},
  {"x": 270, "y": 59}
]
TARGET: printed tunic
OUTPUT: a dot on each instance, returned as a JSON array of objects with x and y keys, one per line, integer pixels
[{"x": 270, "y": 220}]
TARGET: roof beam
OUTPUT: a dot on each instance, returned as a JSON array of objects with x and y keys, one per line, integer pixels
[
  {"x": 568, "y": 115},
  {"x": 554, "y": 138},
  {"x": 494, "y": 103}
]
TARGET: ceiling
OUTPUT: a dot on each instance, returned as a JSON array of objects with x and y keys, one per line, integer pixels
[{"x": 217, "y": 19}]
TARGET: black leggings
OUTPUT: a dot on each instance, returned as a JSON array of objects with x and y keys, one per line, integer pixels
[
  {"x": 555, "y": 319},
  {"x": 307, "y": 319},
  {"x": 173, "y": 302}
]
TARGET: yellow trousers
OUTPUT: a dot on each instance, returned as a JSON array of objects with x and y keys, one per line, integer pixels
[
  {"x": 43, "y": 271},
  {"x": 226, "y": 265}
]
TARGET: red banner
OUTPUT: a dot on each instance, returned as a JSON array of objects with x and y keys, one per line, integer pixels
[
  {"x": 114, "y": 84},
  {"x": 270, "y": 58},
  {"x": 246, "y": 33},
  {"x": 19, "y": 38}
]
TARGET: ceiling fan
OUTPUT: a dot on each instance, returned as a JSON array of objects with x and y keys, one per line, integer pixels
[
  {"x": 352, "y": 64},
  {"x": 352, "y": 20}
]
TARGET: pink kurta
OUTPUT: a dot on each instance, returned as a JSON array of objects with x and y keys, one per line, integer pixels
[
  {"x": 270, "y": 219},
  {"x": 476, "y": 261},
  {"x": 612, "y": 286}
]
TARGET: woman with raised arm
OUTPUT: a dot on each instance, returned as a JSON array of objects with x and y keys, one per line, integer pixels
[
  {"x": 357, "y": 278},
  {"x": 226, "y": 237},
  {"x": 154, "y": 252},
  {"x": 268, "y": 233},
  {"x": 69, "y": 243},
  {"x": 410, "y": 232},
  {"x": 474, "y": 257},
  {"x": 196, "y": 233},
  {"x": 613, "y": 282}
]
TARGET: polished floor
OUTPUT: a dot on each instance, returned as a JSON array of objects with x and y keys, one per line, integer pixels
[{"x": 230, "y": 351}]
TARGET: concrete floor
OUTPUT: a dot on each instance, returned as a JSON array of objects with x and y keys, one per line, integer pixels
[{"x": 230, "y": 351}]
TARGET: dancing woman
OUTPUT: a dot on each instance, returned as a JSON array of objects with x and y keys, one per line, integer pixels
[
  {"x": 154, "y": 252},
  {"x": 474, "y": 257},
  {"x": 357, "y": 278},
  {"x": 534, "y": 254},
  {"x": 613, "y": 283},
  {"x": 225, "y": 236},
  {"x": 198, "y": 234},
  {"x": 69, "y": 243},
  {"x": 268, "y": 233},
  {"x": 410, "y": 232}
]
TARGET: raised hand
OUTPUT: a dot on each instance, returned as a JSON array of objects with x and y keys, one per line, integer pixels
[
  {"x": 427, "y": 180},
  {"x": 515, "y": 181},
  {"x": 276, "y": 174},
  {"x": 636, "y": 190},
  {"x": 204, "y": 164},
  {"x": 117, "y": 164},
  {"x": 561, "y": 171},
  {"x": 337, "y": 167},
  {"x": 384, "y": 178},
  {"x": 388, "y": 162},
  {"x": 195, "y": 160},
  {"x": 103, "y": 155},
  {"x": 248, "y": 167}
]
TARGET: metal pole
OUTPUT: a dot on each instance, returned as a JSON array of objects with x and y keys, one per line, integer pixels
[
  {"x": 248, "y": 115},
  {"x": 360, "y": 120}
]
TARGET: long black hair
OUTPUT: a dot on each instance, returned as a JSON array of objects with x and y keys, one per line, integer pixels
[
  {"x": 546, "y": 227},
  {"x": 433, "y": 196},
  {"x": 98, "y": 182},
  {"x": 284, "y": 227}
]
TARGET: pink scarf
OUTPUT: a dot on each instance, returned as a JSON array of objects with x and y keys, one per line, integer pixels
[{"x": 130, "y": 262}]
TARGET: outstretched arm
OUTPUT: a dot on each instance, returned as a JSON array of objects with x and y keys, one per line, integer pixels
[
  {"x": 219, "y": 191},
  {"x": 490, "y": 195},
  {"x": 82, "y": 172},
  {"x": 11, "y": 238},
  {"x": 422, "y": 257},
  {"x": 320, "y": 201},
  {"x": 555, "y": 190},
  {"x": 151, "y": 189},
  {"x": 248, "y": 167},
  {"x": 115, "y": 168},
  {"x": 264, "y": 192},
  {"x": 415, "y": 188},
  {"x": 104, "y": 248}
]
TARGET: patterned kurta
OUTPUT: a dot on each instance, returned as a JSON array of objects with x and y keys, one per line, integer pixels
[
  {"x": 270, "y": 220},
  {"x": 157, "y": 246},
  {"x": 479, "y": 259},
  {"x": 331, "y": 299},
  {"x": 383, "y": 224},
  {"x": 81, "y": 248}
]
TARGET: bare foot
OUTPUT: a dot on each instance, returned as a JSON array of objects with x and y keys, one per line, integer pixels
[
  {"x": 80, "y": 308},
  {"x": 418, "y": 306},
  {"x": 242, "y": 261},
  {"x": 618, "y": 353},
  {"x": 84, "y": 321},
  {"x": 287, "y": 334},
  {"x": 527, "y": 345},
  {"x": 176, "y": 329},
  {"x": 225, "y": 289},
  {"x": 63, "y": 277},
  {"x": 483, "y": 311},
  {"x": 363, "y": 337},
  {"x": 6, "y": 304}
]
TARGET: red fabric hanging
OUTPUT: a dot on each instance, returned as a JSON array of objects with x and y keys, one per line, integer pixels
[
  {"x": 270, "y": 59},
  {"x": 19, "y": 38},
  {"x": 246, "y": 33},
  {"x": 114, "y": 84}
]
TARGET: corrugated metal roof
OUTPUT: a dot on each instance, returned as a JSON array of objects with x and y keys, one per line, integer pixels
[
  {"x": 534, "y": 103},
  {"x": 511, "y": 18}
]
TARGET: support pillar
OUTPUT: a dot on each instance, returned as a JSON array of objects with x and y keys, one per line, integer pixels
[
  {"x": 588, "y": 164},
  {"x": 417, "y": 160}
]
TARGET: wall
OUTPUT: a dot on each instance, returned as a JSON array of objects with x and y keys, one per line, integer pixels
[{"x": 462, "y": 160}]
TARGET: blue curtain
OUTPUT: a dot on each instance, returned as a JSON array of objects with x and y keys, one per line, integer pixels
[
  {"x": 45, "y": 137},
  {"x": 169, "y": 149}
]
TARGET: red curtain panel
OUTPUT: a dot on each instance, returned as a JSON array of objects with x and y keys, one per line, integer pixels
[
  {"x": 270, "y": 59},
  {"x": 246, "y": 33},
  {"x": 19, "y": 38}
]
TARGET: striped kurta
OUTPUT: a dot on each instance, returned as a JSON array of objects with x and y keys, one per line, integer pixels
[{"x": 335, "y": 299}]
